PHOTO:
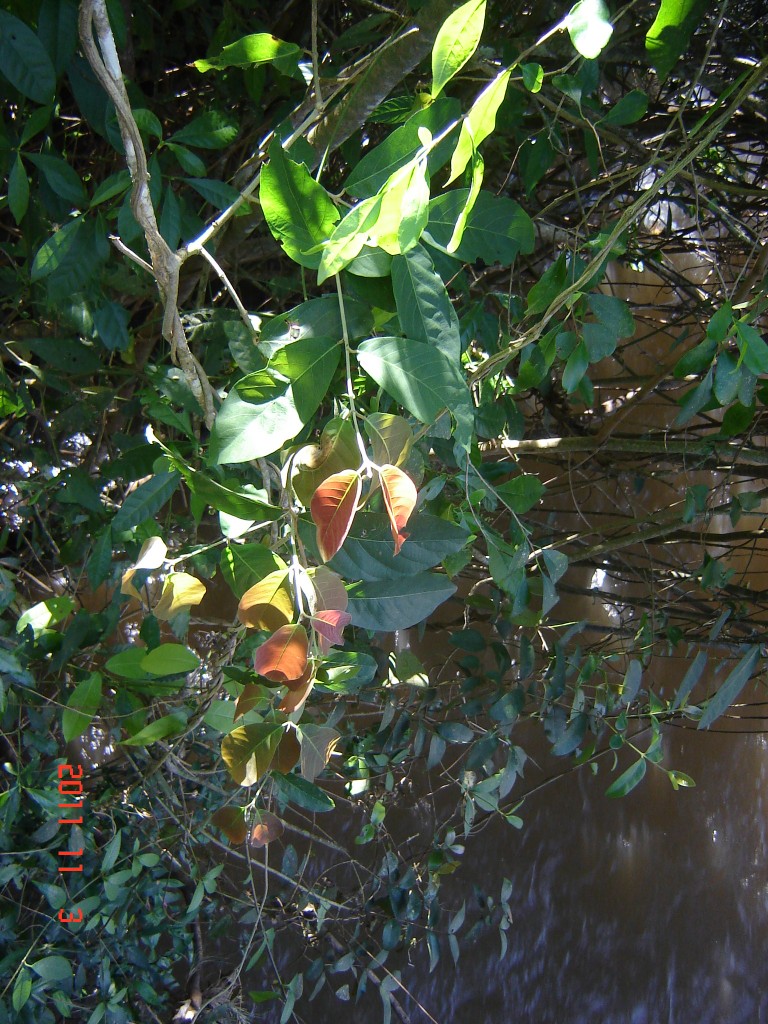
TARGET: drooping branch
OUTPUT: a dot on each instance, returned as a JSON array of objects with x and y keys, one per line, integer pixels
[{"x": 105, "y": 63}]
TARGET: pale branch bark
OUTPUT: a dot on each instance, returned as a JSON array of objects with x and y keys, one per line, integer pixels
[{"x": 104, "y": 61}]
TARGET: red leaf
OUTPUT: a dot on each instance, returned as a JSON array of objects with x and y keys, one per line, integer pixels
[
  {"x": 283, "y": 658},
  {"x": 329, "y": 627},
  {"x": 333, "y": 508},
  {"x": 267, "y": 828},
  {"x": 400, "y": 498}
]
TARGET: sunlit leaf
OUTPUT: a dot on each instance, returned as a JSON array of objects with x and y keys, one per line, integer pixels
[
  {"x": 589, "y": 26},
  {"x": 160, "y": 729},
  {"x": 295, "y": 699},
  {"x": 283, "y": 658},
  {"x": 318, "y": 742},
  {"x": 456, "y": 41},
  {"x": 391, "y": 437},
  {"x": 337, "y": 451},
  {"x": 244, "y": 565},
  {"x": 669, "y": 35},
  {"x": 333, "y": 508},
  {"x": 399, "y": 498},
  {"x": 627, "y": 781},
  {"x": 180, "y": 591},
  {"x": 250, "y": 698},
  {"x": 253, "y": 50},
  {"x": 170, "y": 660},
  {"x": 268, "y": 604},
  {"x": 81, "y": 707},
  {"x": 479, "y": 123},
  {"x": 330, "y": 592},
  {"x": 248, "y": 751},
  {"x": 310, "y": 365}
]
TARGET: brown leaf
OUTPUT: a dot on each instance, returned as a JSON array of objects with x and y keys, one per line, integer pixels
[
  {"x": 400, "y": 498},
  {"x": 318, "y": 742},
  {"x": 283, "y": 658},
  {"x": 231, "y": 821},
  {"x": 266, "y": 829},
  {"x": 268, "y": 604},
  {"x": 289, "y": 751},
  {"x": 248, "y": 699},
  {"x": 329, "y": 627},
  {"x": 333, "y": 508},
  {"x": 248, "y": 751}
]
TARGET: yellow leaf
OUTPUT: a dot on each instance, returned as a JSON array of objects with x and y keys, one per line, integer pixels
[{"x": 180, "y": 591}]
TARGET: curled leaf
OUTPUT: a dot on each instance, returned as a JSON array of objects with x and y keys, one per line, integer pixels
[
  {"x": 283, "y": 658},
  {"x": 329, "y": 627},
  {"x": 400, "y": 498},
  {"x": 151, "y": 556},
  {"x": 268, "y": 604},
  {"x": 333, "y": 508}
]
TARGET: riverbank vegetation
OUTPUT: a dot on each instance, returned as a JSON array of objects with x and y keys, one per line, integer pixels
[{"x": 375, "y": 377}]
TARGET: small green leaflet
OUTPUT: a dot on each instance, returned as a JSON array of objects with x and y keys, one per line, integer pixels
[
  {"x": 170, "y": 660},
  {"x": 230, "y": 500},
  {"x": 521, "y": 493},
  {"x": 478, "y": 171},
  {"x": 81, "y": 707},
  {"x": 52, "y": 252},
  {"x": 627, "y": 781},
  {"x": 589, "y": 26},
  {"x": 23, "y": 60},
  {"x": 729, "y": 691},
  {"x": 211, "y": 130},
  {"x": 146, "y": 501},
  {"x": 298, "y": 210},
  {"x": 160, "y": 729},
  {"x": 253, "y": 50},
  {"x": 456, "y": 41},
  {"x": 18, "y": 190},
  {"x": 479, "y": 123},
  {"x": 292, "y": 789},
  {"x": 348, "y": 238}
]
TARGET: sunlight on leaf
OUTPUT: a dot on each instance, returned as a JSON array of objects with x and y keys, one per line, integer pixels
[{"x": 333, "y": 508}]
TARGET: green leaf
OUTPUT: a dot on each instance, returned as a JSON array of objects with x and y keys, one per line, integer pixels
[
  {"x": 261, "y": 386},
  {"x": 252, "y": 51},
  {"x": 111, "y": 323},
  {"x": 146, "y": 501},
  {"x": 401, "y": 146},
  {"x": 496, "y": 230},
  {"x": 18, "y": 190},
  {"x": 316, "y": 318},
  {"x": 57, "y": 31},
  {"x": 22, "y": 989},
  {"x": 691, "y": 677},
  {"x": 367, "y": 553},
  {"x": 230, "y": 500},
  {"x": 51, "y": 253},
  {"x": 456, "y": 41},
  {"x": 521, "y": 493},
  {"x": 61, "y": 178},
  {"x": 245, "y": 565},
  {"x": 53, "y": 968},
  {"x": 170, "y": 660},
  {"x": 419, "y": 377},
  {"x": 423, "y": 306},
  {"x": 294, "y": 790},
  {"x": 23, "y": 60},
  {"x": 671, "y": 31},
  {"x": 589, "y": 26},
  {"x": 729, "y": 691},
  {"x": 404, "y": 209},
  {"x": 533, "y": 77},
  {"x": 81, "y": 707},
  {"x": 575, "y": 368},
  {"x": 298, "y": 210},
  {"x": 629, "y": 109},
  {"x": 627, "y": 781},
  {"x": 245, "y": 431},
  {"x": 391, "y": 438},
  {"x": 387, "y": 605},
  {"x": 160, "y": 729},
  {"x": 479, "y": 123},
  {"x": 310, "y": 366},
  {"x": 478, "y": 171},
  {"x": 116, "y": 184},
  {"x": 45, "y": 614},
  {"x": 614, "y": 313},
  {"x": 248, "y": 751},
  {"x": 218, "y": 193},
  {"x": 753, "y": 349},
  {"x": 211, "y": 130},
  {"x": 348, "y": 238}
]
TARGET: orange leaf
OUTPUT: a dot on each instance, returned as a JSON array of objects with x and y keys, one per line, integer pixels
[
  {"x": 329, "y": 627},
  {"x": 289, "y": 750},
  {"x": 267, "y": 828},
  {"x": 283, "y": 658},
  {"x": 400, "y": 498},
  {"x": 333, "y": 508},
  {"x": 268, "y": 604},
  {"x": 231, "y": 821},
  {"x": 248, "y": 699},
  {"x": 296, "y": 698}
]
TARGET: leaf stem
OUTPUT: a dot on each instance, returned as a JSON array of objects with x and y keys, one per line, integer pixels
[{"x": 366, "y": 462}]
